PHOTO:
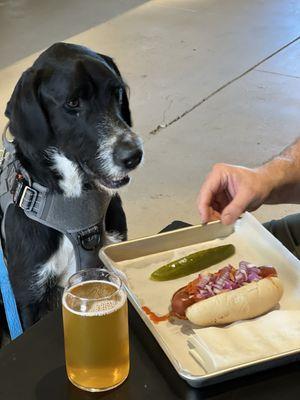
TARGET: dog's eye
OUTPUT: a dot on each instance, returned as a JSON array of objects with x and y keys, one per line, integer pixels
[{"x": 73, "y": 103}]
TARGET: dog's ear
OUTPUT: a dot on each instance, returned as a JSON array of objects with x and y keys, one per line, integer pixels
[
  {"x": 27, "y": 119},
  {"x": 125, "y": 110}
]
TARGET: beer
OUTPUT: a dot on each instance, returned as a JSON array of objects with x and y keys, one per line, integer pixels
[{"x": 96, "y": 334}]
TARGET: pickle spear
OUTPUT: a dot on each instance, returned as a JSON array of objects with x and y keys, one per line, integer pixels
[{"x": 192, "y": 263}]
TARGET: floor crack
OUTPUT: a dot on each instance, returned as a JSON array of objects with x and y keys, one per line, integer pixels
[
  {"x": 165, "y": 125},
  {"x": 278, "y": 73}
]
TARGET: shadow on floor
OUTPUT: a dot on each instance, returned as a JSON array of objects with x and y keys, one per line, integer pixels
[{"x": 28, "y": 26}]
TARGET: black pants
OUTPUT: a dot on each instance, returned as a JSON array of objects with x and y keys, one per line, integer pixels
[{"x": 287, "y": 230}]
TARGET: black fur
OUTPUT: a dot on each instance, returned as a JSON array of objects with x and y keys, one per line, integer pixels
[{"x": 42, "y": 116}]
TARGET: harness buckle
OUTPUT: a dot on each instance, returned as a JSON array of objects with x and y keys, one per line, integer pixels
[
  {"x": 90, "y": 238},
  {"x": 24, "y": 196},
  {"x": 28, "y": 198}
]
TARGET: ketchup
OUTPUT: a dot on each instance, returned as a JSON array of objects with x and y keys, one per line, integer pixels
[
  {"x": 153, "y": 317},
  {"x": 267, "y": 272}
]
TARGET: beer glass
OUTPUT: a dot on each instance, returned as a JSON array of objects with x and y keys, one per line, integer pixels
[{"x": 96, "y": 330}]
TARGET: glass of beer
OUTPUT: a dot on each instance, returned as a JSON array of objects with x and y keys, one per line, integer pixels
[{"x": 96, "y": 330}]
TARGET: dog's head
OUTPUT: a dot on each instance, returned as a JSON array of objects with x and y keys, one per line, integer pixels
[{"x": 73, "y": 103}]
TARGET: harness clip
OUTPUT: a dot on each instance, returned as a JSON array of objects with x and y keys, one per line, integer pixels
[{"x": 28, "y": 198}]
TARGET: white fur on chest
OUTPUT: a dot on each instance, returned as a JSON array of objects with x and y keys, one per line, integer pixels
[
  {"x": 61, "y": 265},
  {"x": 71, "y": 179}
]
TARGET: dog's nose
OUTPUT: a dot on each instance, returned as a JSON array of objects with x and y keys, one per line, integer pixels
[
  {"x": 132, "y": 160},
  {"x": 128, "y": 156}
]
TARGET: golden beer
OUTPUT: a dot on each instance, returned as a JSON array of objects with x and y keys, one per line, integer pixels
[{"x": 96, "y": 333}]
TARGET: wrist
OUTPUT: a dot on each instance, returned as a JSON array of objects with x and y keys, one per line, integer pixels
[{"x": 276, "y": 174}]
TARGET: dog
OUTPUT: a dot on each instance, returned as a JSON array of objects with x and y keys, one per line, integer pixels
[{"x": 71, "y": 125}]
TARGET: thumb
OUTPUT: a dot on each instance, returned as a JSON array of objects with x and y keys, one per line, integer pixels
[{"x": 235, "y": 208}]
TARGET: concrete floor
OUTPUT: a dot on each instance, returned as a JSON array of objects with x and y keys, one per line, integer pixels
[{"x": 210, "y": 81}]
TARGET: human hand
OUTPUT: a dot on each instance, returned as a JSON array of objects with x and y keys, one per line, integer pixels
[{"x": 229, "y": 190}]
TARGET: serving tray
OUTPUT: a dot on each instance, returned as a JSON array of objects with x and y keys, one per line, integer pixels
[{"x": 136, "y": 259}]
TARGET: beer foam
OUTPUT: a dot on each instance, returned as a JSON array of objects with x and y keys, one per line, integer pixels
[{"x": 99, "y": 307}]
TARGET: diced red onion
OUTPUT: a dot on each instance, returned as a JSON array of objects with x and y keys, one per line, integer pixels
[
  {"x": 217, "y": 291},
  {"x": 209, "y": 289},
  {"x": 217, "y": 286},
  {"x": 253, "y": 277},
  {"x": 228, "y": 278},
  {"x": 204, "y": 281}
]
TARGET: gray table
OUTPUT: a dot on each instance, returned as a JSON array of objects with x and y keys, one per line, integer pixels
[{"x": 33, "y": 368}]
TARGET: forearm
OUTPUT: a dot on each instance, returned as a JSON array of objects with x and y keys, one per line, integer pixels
[{"x": 283, "y": 176}]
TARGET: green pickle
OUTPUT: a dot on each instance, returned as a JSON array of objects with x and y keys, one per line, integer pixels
[{"x": 193, "y": 263}]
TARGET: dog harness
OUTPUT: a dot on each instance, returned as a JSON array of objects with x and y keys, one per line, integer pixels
[{"x": 80, "y": 219}]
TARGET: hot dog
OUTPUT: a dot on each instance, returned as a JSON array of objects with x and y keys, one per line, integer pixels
[{"x": 228, "y": 295}]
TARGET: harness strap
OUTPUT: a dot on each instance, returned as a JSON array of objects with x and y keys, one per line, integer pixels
[{"x": 85, "y": 233}]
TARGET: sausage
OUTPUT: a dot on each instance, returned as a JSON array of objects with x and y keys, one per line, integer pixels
[{"x": 181, "y": 300}]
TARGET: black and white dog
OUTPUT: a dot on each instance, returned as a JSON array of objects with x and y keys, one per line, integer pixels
[{"x": 70, "y": 120}]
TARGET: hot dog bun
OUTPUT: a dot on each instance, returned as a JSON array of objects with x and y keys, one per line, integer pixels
[{"x": 246, "y": 302}]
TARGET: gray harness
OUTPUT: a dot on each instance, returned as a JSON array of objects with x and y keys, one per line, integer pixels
[{"x": 80, "y": 219}]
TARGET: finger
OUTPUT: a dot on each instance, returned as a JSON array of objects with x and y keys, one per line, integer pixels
[
  {"x": 236, "y": 207},
  {"x": 207, "y": 192}
]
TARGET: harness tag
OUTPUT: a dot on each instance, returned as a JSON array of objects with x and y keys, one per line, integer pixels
[{"x": 16, "y": 186}]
